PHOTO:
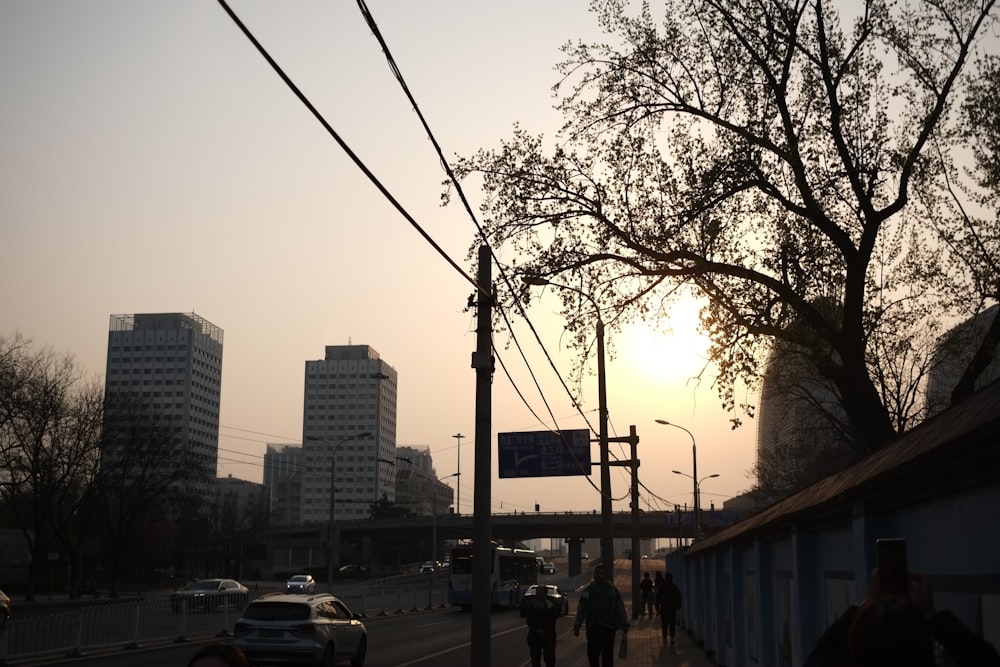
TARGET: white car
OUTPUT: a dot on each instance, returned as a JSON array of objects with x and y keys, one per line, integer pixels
[
  {"x": 301, "y": 583},
  {"x": 209, "y": 595},
  {"x": 294, "y": 628}
]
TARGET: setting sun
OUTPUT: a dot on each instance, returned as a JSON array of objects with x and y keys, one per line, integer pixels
[{"x": 670, "y": 350}]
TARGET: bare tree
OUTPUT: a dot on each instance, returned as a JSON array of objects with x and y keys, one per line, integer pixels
[
  {"x": 143, "y": 467},
  {"x": 763, "y": 155},
  {"x": 50, "y": 428}
]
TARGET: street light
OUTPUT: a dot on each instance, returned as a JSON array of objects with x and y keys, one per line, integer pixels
[
  {"x": 697, "y": 502},
  {"x": 694, "y": 470},
  {"x": 607, "y": 543},
  {"x": 332, "y": 544},
  {"x": 458, "y": 483},
  {"x": 434, "y": 518}
]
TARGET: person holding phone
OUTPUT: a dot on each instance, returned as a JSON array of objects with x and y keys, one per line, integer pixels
[{"x": 894, "y": 629}]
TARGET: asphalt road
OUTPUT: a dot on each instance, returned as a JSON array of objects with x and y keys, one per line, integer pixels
[{"x": 439, "y": 637}]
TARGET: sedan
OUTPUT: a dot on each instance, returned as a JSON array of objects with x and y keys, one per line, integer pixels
[
  {"x": 301, "y": 583},
  {"x": 552, "y": 592},
  {"x": 210, "y": 594}
]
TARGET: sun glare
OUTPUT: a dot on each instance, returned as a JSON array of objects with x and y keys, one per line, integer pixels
[{"x": 671, "y": 351}]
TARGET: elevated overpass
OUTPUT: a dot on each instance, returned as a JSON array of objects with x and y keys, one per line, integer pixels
[{"x": 379, "y": 538}]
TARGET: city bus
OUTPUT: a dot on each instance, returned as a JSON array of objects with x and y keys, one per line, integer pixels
[{"x": 511, "y": 572}]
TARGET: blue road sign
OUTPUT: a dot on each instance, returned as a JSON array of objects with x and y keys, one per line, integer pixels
[{"x": 544, "y": 453}]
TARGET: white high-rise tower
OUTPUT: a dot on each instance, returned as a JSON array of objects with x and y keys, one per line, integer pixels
[{"x": 349, "y": 413}]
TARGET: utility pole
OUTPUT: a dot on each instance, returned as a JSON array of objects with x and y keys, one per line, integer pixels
[
  {"x": 636, "y": 556},
  {"x": 633, "y": 463},
  {"x": 482, "y": 362}
]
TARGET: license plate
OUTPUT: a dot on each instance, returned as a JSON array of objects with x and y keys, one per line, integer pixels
[{"x": 271, "y": 633}]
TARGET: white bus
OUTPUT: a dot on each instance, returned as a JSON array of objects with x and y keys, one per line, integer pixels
[{"x": 511, "y": 572}]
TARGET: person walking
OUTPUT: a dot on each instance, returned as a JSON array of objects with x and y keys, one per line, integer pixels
[
  {"x": 668, "y": 598},
  {"x": 646, "y": 601},
  {"x": 601, "y": 607},
  {"x": 540, "y": 614},
  {"x": 657, "y": 585}
]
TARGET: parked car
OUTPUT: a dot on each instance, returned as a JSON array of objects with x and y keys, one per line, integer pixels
[
  {"x": 210, "y": 594},
  {"x": 298, "y": 628},
  {"x": 301, "y": 583},
  {"x": 4, "y": 606},
  {"x": 552, "y": 592}
]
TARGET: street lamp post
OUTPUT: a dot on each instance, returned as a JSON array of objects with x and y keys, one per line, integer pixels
[
  {"x": 458, "y": 474},
  {"x": 607, "y": 541},
  {"x": 697, "y": 499},
  {"x": 694, "y": 471},
  {"x": 434, "y": 519},
  {"x": 332, "y": 544}
]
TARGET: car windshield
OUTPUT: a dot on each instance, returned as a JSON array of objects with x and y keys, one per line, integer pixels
[
  {"x": 276, "y": 611},
  {"x": 205, "y": 585},
  {"x": 299, "y": 578}
]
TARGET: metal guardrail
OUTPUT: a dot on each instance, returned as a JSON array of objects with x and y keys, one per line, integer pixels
[{"x": 142, "y": 622}]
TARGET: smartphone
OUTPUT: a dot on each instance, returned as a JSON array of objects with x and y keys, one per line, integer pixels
[{"x": 892, "y": 569}]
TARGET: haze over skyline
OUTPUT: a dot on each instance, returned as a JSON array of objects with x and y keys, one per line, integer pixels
[{"x": 153, "y": 162}]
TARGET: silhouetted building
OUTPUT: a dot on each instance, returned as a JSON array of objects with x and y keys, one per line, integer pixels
[
  {"x": 953, "y": 355},
  {"x": 169, "y": 366}
]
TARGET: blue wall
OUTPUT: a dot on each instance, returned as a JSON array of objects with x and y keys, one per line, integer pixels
[{"x": 761, "y": 592}]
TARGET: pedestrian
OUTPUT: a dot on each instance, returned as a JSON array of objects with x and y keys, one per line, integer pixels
[
  {"x": 219, "y": 655},
  {"x": 646, "y": 600},
  {"x": 668, "y": 599},
  {"x": 602, "y": 608},
  {"x": 540, "y": 613},
  {"x": 899, "y": 630},
  {"x": 657, "y": 585}
]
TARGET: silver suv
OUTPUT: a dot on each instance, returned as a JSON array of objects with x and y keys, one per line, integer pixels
[{"x": 294, "y": 628}]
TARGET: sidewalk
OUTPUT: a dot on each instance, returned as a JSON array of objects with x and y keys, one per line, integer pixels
[{"x": 645, "y": 641}]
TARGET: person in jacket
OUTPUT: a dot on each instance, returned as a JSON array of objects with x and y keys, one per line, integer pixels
[
  {"x": 540, "y": 614},
  {"x": 668, "y": 601},
  {"x": 646, "y": 600},
  {"x": 602, "y": 609},
  {"x": 657, "y": 585},
  {"x": 897, "y": 631}
]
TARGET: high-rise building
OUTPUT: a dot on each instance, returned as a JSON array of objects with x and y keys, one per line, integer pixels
[
  {"x": 800, "y": 426},
  {"x": 348, "y": 433},
  {"x": 281, "y": 461},
  {"x": 953, "y": 355},
  {"x": 417, "y": 485},
  {"x": 283, "y": 472},
  {"x": 169, "y": 366}
]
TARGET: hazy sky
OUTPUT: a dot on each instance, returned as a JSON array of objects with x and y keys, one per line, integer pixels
[{"x": 151, "y": 161}]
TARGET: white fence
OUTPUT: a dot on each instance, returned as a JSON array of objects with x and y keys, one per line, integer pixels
[{"x": 121, "y": 625}]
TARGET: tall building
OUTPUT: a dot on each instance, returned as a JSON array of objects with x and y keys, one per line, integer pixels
[
  {"x": 952, "y": 356},
  {"x": 800, "y": 426},
  {"x": 283, "y": 472},
  {"x": 417, "y": 485},
  {"x": 281, "y": 461},
  {"x": 170, "y": 365},
  {"x": 349, "y": 418}
]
